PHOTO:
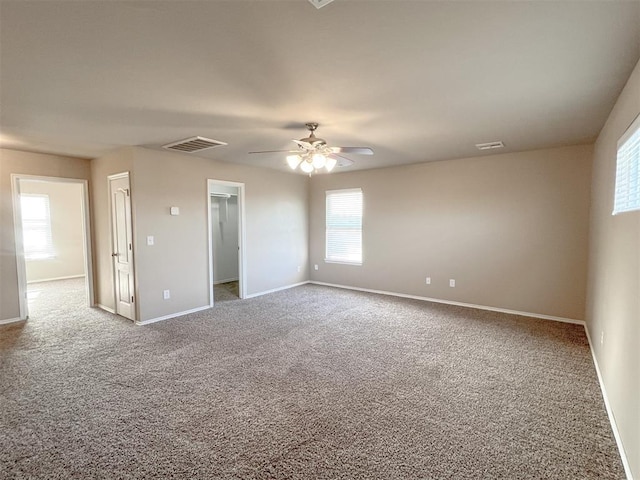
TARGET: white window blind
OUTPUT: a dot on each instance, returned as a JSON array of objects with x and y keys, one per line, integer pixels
[
  {"x": 344, "y": 226},
  {"x": 627, "y": 192},
  {"x": 36, "y": 227}
]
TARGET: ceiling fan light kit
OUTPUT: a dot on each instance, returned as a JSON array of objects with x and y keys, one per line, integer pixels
[
  {"x": 293, "y": 161},
  {"x": 314, "y": 154},
  {"x": 308, "y": 163}
]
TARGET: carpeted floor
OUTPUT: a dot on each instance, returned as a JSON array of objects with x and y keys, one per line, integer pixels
[
  {"x": 225, "y": 292},
  {"x": 311, "y": 382}
]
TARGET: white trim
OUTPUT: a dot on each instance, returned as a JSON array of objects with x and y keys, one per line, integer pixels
[
  {"x": 273, "y": 290},
  {"x": 629, "y": 131},
  {"x": 116, "y": 176},
  {"x": 242, "y": 240},
  {"x": 19, "y": 247},
  {"x": 343, "y": 190},
  {"x": 7, "y": 321},
  {"x": 88, "y": 253},
  {"x": 339, "y": 262},
  {"x": 242, "y": 257},
  {"x": 54, "y": 279},
  {"x": 105, "y": 308},
  {"x": 210, "y": 245},
  {"x": 225, "y": 280},
  {"x": 607, "y": 405},
  {"x": 172, "y": 315},
  {"x": 459, "y": 304}
]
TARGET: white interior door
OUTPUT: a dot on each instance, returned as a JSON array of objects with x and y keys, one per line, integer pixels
[{"x": 121, "y": 230}]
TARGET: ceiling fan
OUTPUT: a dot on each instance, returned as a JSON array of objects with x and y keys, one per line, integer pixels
[{"x": 313, "y": 153}]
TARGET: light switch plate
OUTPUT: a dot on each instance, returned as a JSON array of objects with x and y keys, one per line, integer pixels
[{"x": 150, "y": 240}]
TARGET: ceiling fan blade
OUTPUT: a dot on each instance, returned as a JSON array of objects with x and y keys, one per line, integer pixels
[
  {"x": 355, "y": 150},
  {"x": 342, "y": 161},
  {"x": 305, "y": 145},
  {"x": 277, "y": 151}
]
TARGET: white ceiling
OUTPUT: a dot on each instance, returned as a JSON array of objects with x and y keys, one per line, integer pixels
[{"x": 415, "y": 80}]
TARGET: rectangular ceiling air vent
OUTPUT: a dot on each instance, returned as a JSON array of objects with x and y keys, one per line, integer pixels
[
  {"x": 320, "y": 3},
  {"x": 193, "y": 144},
  {"x": 489, "y": 146}
]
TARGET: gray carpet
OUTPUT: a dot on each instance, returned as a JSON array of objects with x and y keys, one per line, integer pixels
[{"x": 311, "y": 382}]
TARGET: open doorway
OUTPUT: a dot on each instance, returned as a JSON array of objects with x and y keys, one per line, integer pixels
[
  {"x": 52, "y": 244},
  {"x": 226, "y": 240}
]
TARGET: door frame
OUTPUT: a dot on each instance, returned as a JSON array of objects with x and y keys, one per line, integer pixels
[
  {"x": 19, "y": 243},
  {"x": 242, "y": 285}
]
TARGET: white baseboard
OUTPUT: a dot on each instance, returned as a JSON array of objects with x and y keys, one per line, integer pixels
[
  {"x": 105, "y": 308},
  {"x": 459, "y": 304},
  {"x": 273, "y": 290},
  {"x": 607, "y": 405},
  {"x": 171, "y": 315},
  {"x": 54, "y": 279},
  {"x": 8, "y": 321},
  {"x": 226, "y": 280}
]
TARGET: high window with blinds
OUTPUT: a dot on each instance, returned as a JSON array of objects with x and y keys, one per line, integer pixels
[
  {"x": 627, "y": 192},
  {"x": 344, "y": 226},
  {"x": 36, "y": 227}
]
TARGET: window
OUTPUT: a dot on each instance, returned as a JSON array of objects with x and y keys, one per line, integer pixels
[
  {"x": 36, "y": 227},
  {"x": 627, "y": 192},
  {"x": 344, "y": 226}
]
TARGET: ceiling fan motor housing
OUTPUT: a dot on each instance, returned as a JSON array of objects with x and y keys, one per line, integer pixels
[{"x": 312, "y": 139}]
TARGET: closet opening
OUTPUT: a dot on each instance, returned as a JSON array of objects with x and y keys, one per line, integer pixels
[{"x": 226, "y": 256}]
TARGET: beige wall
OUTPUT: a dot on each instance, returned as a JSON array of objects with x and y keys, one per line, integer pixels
[
  {"x": 613, "y": 307},
  {"x": 276, "y": 209},
  {"x": 511, "y": 230},
  {"x": 116, "y": 162},
  {"x": 27, "y": 163},
  {"x": 65, "y": 206}
]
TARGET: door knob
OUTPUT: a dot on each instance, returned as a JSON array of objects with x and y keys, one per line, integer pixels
[{"x": 114, "y": 254}]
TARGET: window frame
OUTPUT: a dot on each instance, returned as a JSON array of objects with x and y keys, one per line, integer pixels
[
  {"x": 622, "y": 203},
  {"x": 46, "y": 251},
  {"x": 334, "y": 259}
]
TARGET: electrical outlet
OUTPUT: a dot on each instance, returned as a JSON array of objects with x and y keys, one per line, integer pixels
[
  {"x": 315, "y": 267},
  {"x": 428, "y": 281},
  {"x": 452, "y": 282},
  {"x": 299, "y": 268},
  {"x": 166, "y": 294},
  {"x": 601, "y": 338},
  {"x": 150, "y": 240}
]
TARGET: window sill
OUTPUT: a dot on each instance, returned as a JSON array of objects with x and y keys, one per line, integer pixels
[
  {"x": 39, "y": 258},
  {"x": 343, "y": 262}
]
